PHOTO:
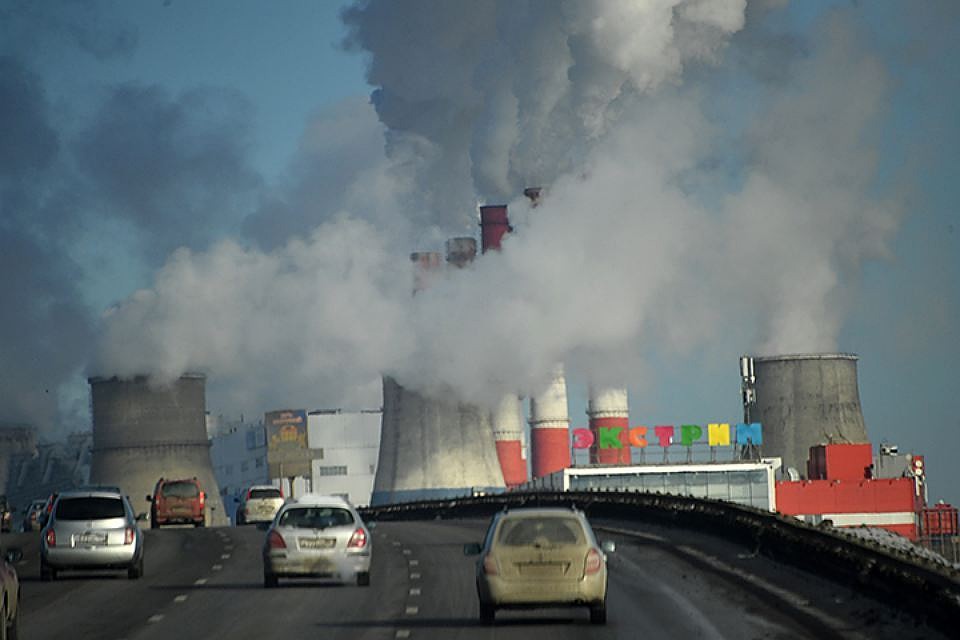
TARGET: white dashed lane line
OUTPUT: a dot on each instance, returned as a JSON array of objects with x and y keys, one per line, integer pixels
[
  {"x": 412, "y": 611},
  {"x": 414, "y": 563},
  {"x": 217, "y": 567},
  {"x": 415, "y": 591},
  {"x": 181, "y": 598},
  {"x": 414, "y": 576},
  {"x": 155, "y": 618},
  {"x": 200, "y": 581},
  {"x": 225, "y": 556},
  {"x": 402, "y": 633}
]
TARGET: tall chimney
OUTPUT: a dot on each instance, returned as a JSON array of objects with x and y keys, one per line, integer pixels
[
  {"x": 142, "y": 433},
  {"x": 426, "y": 265},
  {"x": 609, "y": 408},
  {"x": 534, "y": 194},
  {"x": 550, "y": 427},
  {"x": 805, "y": 400},
  {"x": 461, "y": 251},
  {"x": 494, "y": 224},
  {"x": 508, "y": 435}
]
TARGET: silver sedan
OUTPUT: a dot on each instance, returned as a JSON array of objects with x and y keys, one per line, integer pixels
[
  {"x": 94, "y": 529},
  {"x": 317, "y": 537}
]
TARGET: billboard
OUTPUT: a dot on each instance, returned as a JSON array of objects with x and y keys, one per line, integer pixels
[{"x": 287, "y": 451}]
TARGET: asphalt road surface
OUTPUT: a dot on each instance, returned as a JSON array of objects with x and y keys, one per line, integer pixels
[{"x": 207, "y": 583}]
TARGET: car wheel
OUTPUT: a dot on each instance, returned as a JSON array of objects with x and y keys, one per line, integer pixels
[
  {"x": 135, "y": 571},
  {"x": 487, "y": 613},
  {"x": 270, "y": 580},
  {"x": 598, "y": 613},
  {"x": 363, "y": 578}
]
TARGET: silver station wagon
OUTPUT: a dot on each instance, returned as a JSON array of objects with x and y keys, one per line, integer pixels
[
  {"x": 91, "y": 529},
  {"x": 317, "y": 537}
]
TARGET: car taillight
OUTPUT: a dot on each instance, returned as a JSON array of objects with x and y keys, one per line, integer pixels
[
  {"x": 128, "y": 535},
  {"x": 490, "y": 567},
  {"x": 275, "y": 541},
  {"x": 202, "y": 498},
  {"x": 593, "y": 563},
  {"x": 358, "y": 540},
  {"x": 51, "y": 538}
]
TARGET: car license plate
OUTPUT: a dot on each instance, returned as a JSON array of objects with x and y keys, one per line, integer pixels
[
  {"x": 91, "y": 539},
  {"x": 317, "y": 543}
]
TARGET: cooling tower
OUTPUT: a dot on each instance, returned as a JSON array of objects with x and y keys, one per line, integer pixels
[
  {"x": 609, "y": 409},
  {"x": 494, "y": 224},
  {"x": 550, "y": 427},
  {"x": 806, "y": 400},
  {"x": 142, "y": 433},
  {"x": 432, "y": 448},
  {"x": 508, "y": 435}
]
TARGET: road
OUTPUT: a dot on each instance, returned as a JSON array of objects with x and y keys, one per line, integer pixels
[{"x": 207, "y": 583}]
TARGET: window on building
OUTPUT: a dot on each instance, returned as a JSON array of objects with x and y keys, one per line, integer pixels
[
  {"x": 259, "y": 462},
  {"x": 335, "y": 470},
  {"x": 244, "y": 466}
]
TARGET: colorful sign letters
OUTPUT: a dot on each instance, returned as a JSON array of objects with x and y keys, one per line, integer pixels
[{"x": 718, "y": 435}]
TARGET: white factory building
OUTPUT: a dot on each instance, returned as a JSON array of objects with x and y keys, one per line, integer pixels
[{"x": 347, "y": 446}]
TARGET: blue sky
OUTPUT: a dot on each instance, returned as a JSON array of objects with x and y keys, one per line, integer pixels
[{"x": 255, "y": 126}]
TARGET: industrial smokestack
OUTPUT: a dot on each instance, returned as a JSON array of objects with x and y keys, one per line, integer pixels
[
  {"x": 461, "y": 251},
  {"x": 494, "y": 224},
  {"x": 534, "y": 194},
  {"x": 426, "y": 266},
  {"x": 508, "y": 434},
  {"x": 142, "y": 433},
  {"x": 550, "y": 427},
  {"x": 806, "y": 400},
  {"x": 609, "y": 409}
]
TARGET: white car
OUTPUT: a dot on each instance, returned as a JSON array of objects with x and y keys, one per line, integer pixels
[
  {"x": 317, "y": 537},
  {"x": 259, "y": 503}
]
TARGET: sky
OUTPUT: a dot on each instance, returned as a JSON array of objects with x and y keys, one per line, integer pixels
[{"x": 235, "y": 188}]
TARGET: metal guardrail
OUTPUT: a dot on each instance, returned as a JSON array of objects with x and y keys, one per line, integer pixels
[{"x": 926, "y": 590}]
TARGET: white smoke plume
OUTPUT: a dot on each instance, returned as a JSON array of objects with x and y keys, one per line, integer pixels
[{"x": 642, "y": 245}]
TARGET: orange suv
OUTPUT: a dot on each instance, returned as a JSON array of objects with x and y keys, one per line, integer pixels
[{"x": 177, "y": 502}]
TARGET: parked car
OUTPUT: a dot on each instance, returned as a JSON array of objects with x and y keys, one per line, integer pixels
[
  {"x": 177, "y": 502},
  {"x": 91, "y": 529},
  {"x": 10, "y": 591},
  {"x": 31, "y": 515},
  {"x": 6, "y": 515},
  {"x": 259, "y": 503},
  {"x": 541, "y": 557},
  {"x": 317, "y": 537}
]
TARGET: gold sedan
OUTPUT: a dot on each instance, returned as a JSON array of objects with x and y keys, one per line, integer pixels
[{"x": 541, "y": 557}]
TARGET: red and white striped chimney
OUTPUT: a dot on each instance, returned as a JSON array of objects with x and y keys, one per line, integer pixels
[
  {"x": 550, "y": 427},
  {"x": 508, "y": 435},
  {"x": 609, "y": 408},
  {"x": 461, "y": 251}
]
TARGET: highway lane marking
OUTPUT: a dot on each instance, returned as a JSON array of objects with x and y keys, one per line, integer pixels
[
  {"x": 225, "y": 556},
  {"x": 229, "y": 547},
  {"x": 414, "y": 576},
  {"x": 395, "y": 543},
  {"x": 415, "y": 591},
  {"x": 402, "y": 633},
  {"x": 412, "y": 611},
  {"x": 217, "y": 567},
  {"x": 414, "y": 563},
  {"x": 181, "y": 598},
  {"x": 155, "y": 618},
  {"x": 200, "y": 582},
  {"x": 407, "y": 552}
]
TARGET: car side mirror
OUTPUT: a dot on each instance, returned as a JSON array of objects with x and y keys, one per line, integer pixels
[
  {"x": 13, "y": 555},
  {"x": 472, "y": 549},
  {"x": 608, "y": 546},
  {"x": 149, "y": 498}
]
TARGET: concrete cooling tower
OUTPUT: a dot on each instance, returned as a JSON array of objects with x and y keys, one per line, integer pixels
[
  {"x": 142, "y": 433},
  {"x": 432, "y": 448},
  {"x": 805, "y": 400}
]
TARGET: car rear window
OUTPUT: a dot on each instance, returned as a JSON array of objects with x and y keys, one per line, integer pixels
[
  {"x": 179, "y": 490},
  {"x": 89, "y": 508},
  {"x": 516, "y": 532},
  {"x": 264, "y": 493},
  {"x": 315, "y": 517}
]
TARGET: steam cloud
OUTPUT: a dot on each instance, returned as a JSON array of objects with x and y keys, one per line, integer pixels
[{"x": 672, "y": 220}]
